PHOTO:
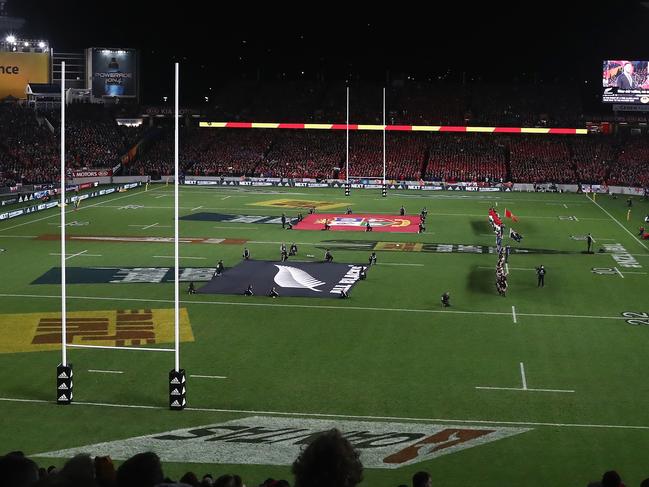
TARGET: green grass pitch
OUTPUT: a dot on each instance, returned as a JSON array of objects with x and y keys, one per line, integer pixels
[{"x": 562, "y": 361}]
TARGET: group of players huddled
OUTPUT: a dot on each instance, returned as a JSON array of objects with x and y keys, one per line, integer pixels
[{"x": 503, "y": 252}]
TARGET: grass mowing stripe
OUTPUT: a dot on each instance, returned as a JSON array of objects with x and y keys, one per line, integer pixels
[
  {"x": 308, "y": 306},
  {"x": 73, "y": 210},
  {"x": 347, "y": 416},
  {"x": 616, "y": 221}
]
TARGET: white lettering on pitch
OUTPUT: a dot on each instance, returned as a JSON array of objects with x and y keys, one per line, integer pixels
[{"x": 622, "y": 256}]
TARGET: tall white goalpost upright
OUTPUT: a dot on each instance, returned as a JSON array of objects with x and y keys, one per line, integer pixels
[
  {"x": 347, "y": 188},
  {"x": 384, "y": 191},
  {"x": 64, "y": 372},
  {"x": 177, "y": 377}
]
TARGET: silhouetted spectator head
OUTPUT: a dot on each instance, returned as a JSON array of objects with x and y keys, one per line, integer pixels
[
  {"x": 611, "y": 479},
  {"x": 422, "y": 479},
  {"x": 141, "y": 470},
  {"x": 17, "y": 470},
  {"x": 190, "y": 478},
  {"x": 105, "y": 471},
  {"x": 644, "y": 483},
  {"x": 329, "y": 461},
  {"x": 79, "y": 470},
  {"x": 227, "y": 481}
]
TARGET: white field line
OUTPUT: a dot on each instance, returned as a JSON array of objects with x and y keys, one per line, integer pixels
[
  {"x": 246, "y": 228},
  {"x": 77, "y": 255},
  {"x": 226, "y": 197},
  {"x": 309, "y": 306},
  {"x": 209, "y": 376},
  {"x": 258, "y": 210},
  {"x": 633, "y": 272},
  {"x": 180, "y": 257},
  {"x": 565, "y": 206},
  {"x": 197, "y": 208},
  {"x": 616, "y": 221},
  {"x": 618, "y": 272},
  {"x": 514, "y": 314},
  {"x": 157, "y": 226},
  {"x": 70, "y": 211},
  {"x": 147, "y": 349},
  {"x": 510, "y": 268},
  {"x": 310, "y": 243},
  {"x": 348, "y": 416},
  {"x": 523, "y": 378},
  {"x": 161, "y": 196},
  {"x": 150, "y": 226},
  {"x": 68, "y": 257},
  {"x": 506, "y": 268},
  {"x": 105, "y": 371},
  {"x": 521, "y": 389},
  {"x": 577, "y": 219},
  {"x": 392, "y": 263}
]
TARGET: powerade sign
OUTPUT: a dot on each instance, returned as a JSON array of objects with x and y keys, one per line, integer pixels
[
  {"x": 113, "y": 72},
  {"x": 300, "y": 279}
]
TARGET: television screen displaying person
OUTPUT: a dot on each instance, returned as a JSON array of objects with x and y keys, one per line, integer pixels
[{"x": 625, "y": 79}]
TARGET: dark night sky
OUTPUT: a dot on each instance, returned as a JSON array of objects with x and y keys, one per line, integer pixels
[{"x": 496, "y": 41}]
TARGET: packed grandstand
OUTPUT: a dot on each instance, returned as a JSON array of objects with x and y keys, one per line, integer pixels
[{"x": 29, "y": 147}]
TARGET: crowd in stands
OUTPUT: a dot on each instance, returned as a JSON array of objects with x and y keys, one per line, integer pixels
[
  {"x": 458, "y": 158},
  {"x": 329, "y": 460},
  {"x": 632, "y": 165},
  {"x": 29, "y": 148},
  {"x": 536, "y": 160}
]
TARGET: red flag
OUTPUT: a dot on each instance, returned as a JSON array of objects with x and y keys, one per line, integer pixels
[{"x": 509, "y": 214}]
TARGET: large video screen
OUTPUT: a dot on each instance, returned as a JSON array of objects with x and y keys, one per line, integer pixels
[
  {"x": 113, "y": 72},
  {"x": 625, "y": 82}
]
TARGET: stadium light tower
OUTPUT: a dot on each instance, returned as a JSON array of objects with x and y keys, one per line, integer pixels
[{"x": 11, "y": 39}]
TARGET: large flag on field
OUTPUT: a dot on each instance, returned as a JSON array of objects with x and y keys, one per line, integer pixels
[{"x": 509, "y": 214}]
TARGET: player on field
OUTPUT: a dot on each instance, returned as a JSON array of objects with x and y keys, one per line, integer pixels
[
  {"x": 349, "y": 211},
  {"x": 246, "y": 253},
  {"x": 191, "y": 289},
  {"x": 422, "y": 228},
  {"x": 402, "y": 211},
  {"x": 589, "y": 243},
  {"x": 219, "y": 268},
  {"x": 328, "y": 257},
  {"x": 326, "y": 224},
  {"x": 540, "y": 273},
  {"x": 446, "y": 299},
  {"x": 248, "y": 292},
  {"x": 293, "y": 249},
  {"x": 373, "y": 258},
  {"x": 368, "y": 226},
  {"x": 283, "y": 220},
  {"x": 273, "y": 293}
]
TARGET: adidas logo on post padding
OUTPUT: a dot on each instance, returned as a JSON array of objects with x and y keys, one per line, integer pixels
[{"x": 63, "y": 375}]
